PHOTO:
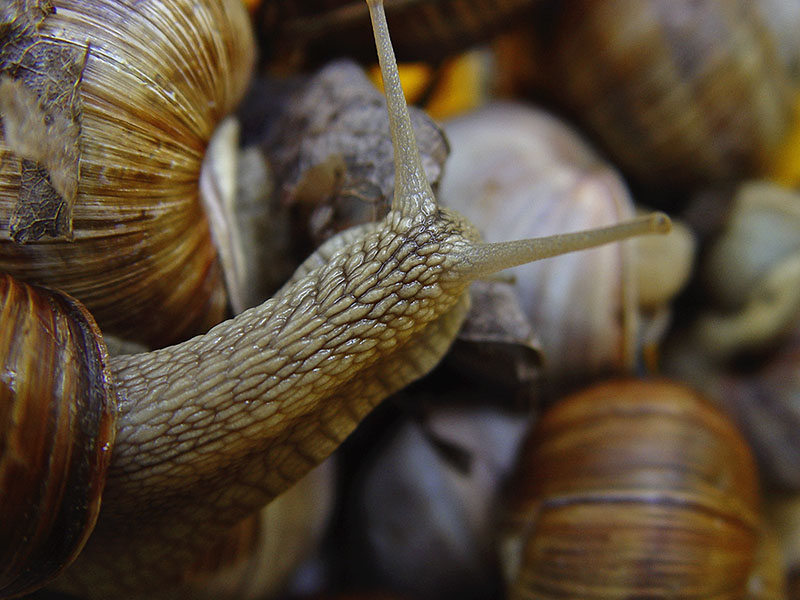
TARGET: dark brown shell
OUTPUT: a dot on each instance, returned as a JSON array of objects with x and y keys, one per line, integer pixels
[
  {"x": 634, "y": 489},
  {"x": 57, "y": 414},
  {"x": 421, "y": 29},
  {"x": 678, "y": 91}
]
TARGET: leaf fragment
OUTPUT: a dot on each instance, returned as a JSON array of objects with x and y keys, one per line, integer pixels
[{"x": 41, "y": 119}]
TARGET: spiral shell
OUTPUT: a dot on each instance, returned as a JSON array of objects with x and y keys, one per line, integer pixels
[
  {"x": 752, "y": 271},
  {"x": 149, "y": 82},
  {"x": 518, "y": 172},
  {"x": 679, "y": 92},
  {"x": 57, "y": 412},
  {"x": 633, "y": 489}
]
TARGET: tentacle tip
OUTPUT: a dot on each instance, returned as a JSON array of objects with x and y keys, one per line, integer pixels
[{"x": 660, "y": 223}]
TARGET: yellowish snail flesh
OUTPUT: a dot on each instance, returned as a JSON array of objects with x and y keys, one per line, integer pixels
[
  {"x": 211, "y": 429},
  {"x": 634, "y": 489}
]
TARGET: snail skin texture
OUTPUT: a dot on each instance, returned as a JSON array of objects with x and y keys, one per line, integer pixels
[{"x": 210, "y": 430}]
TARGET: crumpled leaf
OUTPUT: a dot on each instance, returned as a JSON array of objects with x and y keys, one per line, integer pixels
[
  {"x": 40, "y": 111},
  {"x": 331, "y": 150}
]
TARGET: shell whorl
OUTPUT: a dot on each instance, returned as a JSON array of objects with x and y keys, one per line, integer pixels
[
  {"x": 57, "y": 427},
  {"x": 151, "y": 81}
]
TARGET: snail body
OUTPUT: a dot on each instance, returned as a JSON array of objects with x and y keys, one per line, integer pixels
[
  {"x": 211, "y": 429},
  {"x": 116, "y": 219},
  {"x": 633, "y": 489}
]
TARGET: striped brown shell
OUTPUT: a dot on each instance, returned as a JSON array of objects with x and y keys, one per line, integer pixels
[
  {"x": 57, "y": 413},
  {"x": 677, "y": 91},
  {"x": 633, "y": 489},
  {"x": 135, "y": 89}
]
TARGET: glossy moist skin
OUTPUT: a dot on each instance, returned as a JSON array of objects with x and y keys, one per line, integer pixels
[{"x": 213, "y": 428}]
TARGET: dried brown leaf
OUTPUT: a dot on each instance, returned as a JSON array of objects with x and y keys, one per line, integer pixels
[
  {"x": 331, "y": 148},
  {"x": 40, "y": 111}
]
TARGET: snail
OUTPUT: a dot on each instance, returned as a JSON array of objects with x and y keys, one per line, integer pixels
[
  {"x": 517, "y": 170},
  {"x": 634, "y": 489},
  {"x": 753, "y": 273},
  {"x": 209, "y": 430},
  {"x": 677, "y": 92},
  {"x": 107, "y": 110}
]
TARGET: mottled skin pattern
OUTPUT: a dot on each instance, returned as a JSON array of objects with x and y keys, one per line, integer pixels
[{"x": 212, "y": 429}]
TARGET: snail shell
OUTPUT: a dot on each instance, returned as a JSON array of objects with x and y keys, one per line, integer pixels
[
  {"x": 423, "y": 522},
  {"x": 148, "y": 83},
  {"x": 57, "y": 426},
  {"x": 783, "y": 513},
  {"x": 633, "y": 489},
  {"x": 753, "y": 272},
  {"x": 518, "y": 171},
  {"x": 680, "y": 92},
  {"x": 762, "y": 230},
  {"x": 424, "y": 29}
]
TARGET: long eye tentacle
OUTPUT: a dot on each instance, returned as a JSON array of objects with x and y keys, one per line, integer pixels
[
  {"x": 413, "y": 196},
  {"x": 480, "y": 260}
]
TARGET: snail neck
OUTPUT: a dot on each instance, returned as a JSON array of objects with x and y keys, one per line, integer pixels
[{"x": 212, "y": 429}]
